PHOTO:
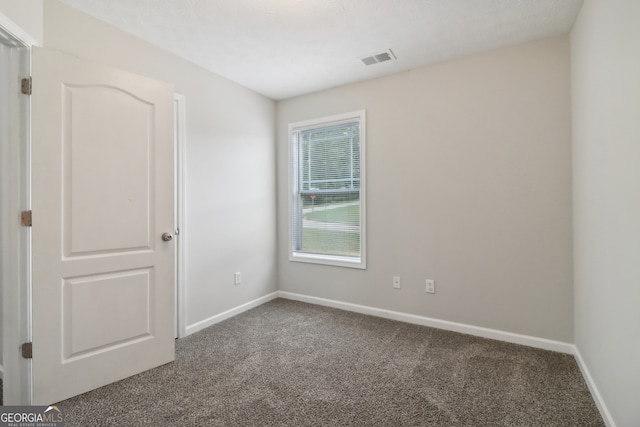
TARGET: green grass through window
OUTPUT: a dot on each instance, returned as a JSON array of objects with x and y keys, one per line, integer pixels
[
  {"x": 330, "y": 242},
  {"x": 349, "y": 215}
]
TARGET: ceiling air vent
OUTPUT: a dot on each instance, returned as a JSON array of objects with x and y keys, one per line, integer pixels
[{"x": 376, "y": 58}]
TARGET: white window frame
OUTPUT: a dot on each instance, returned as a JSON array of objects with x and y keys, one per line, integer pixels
[{"x": 333, "y": 260}]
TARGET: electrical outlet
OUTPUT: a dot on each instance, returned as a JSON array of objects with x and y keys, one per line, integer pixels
[
  {"x": 396, "y": 282},
  {"x": 237, "y": 278},
  {"x": 430, "y": 286}
]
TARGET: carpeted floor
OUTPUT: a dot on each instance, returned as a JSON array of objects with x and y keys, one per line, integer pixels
[{"x": 287, "y": 363}]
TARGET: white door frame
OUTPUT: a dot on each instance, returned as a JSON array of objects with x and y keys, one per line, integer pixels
[
  {"x": 16, "y": 240},
  {"x": 180, "y": 229}
]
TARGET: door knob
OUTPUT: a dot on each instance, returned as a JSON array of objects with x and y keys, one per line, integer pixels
[{"x": 167, "y": 237}]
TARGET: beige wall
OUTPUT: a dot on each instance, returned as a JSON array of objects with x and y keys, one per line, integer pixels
[
  {"x": 230, "y": 162},
  {"x": 605, "y": 45},
  {"x": 469, "y": 183},
  {"x": 26, "y": 14}
]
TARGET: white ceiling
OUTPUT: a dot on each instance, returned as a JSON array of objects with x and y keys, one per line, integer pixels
[{"x": 284, "y": 48}]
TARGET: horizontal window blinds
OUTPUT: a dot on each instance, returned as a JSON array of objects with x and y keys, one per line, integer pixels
[{"x": 326, "y": 170}]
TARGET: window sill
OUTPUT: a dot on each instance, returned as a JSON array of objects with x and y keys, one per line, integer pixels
[{"x": 333, "y": 260}]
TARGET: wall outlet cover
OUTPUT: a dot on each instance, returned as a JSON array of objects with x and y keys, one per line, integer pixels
[{"x": 430, "y": 286}]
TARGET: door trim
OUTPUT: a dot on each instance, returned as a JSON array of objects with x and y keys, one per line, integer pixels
[
  {"x": 16, "y": 256},
  {"x": 16, "y": 32},
  {"x": 180, "y": 206}
]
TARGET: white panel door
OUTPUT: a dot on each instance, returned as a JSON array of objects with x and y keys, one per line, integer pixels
[{"x": 102, "y": 196}]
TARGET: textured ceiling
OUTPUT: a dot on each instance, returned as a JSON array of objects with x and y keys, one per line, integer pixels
[{"x": 284, "y": 48}]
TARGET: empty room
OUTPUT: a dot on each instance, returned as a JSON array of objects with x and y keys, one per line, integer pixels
[{"x": 320, "y": 212}]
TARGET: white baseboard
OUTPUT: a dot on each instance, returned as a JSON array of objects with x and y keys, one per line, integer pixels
[
  {"x": 595, "y": 393},
  {"x": 229, "y": 313},
  {"x": 530, "y": 341}
]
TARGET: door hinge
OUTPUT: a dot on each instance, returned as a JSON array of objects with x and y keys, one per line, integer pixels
[
  {"x": 26, "y": 86},
  {"x": 27, "y": 350},
  {"x": 26, "y": 218}
]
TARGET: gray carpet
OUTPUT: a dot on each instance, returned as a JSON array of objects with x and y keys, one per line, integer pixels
[{"x": 287, "y": 363}]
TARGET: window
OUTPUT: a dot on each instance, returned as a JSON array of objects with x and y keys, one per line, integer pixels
[{"x": 328, "y": 190}]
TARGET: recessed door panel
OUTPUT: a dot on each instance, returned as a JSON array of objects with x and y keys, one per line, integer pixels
[
  {"x": 107, "y": 147},
  {"x": 106, "y": 310}
]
